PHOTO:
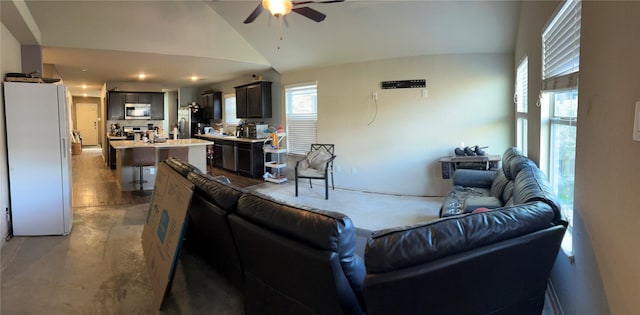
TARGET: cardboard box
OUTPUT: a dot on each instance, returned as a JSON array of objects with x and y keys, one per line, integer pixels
[
  {"x": 164, "y": 229},
  {"x": 76, "y": 148}
]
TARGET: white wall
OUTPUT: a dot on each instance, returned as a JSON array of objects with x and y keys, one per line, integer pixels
[
  {"x": 10, "y": 62},
  {"x": 607, "y": 190},
  {"x": 468, "y": 100}
]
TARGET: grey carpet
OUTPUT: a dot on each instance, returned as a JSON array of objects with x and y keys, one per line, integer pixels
[{"x": 368, "y": 211}]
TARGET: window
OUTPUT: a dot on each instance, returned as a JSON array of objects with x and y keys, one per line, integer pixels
[
  {"x": 560, "y": 71},
  {"x": 230, "y": 110},
  {"x": 521, "y": 100},
  {"x": 301, "y": 103}
]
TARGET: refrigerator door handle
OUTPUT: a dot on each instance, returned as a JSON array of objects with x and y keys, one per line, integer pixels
[{"x": 64, "y": 148}]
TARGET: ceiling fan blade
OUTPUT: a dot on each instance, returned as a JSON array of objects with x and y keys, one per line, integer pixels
[
  {"x": 310, "y": 13},
  {"x": 252, "y": 17},
  {"x": 295, "y": 3}
]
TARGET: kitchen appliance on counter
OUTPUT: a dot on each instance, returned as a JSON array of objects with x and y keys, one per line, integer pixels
[
  {"x": 130, "y": 132},
  {"x": 255, "y": 131},
  {"x": 188, "y": 120},
  {"x": 240, "y": 131},
  {"x": 115, "y": 130},
  {"x": 200, "y": 128},
  {"x": 137, "y": 111},
  {"x": 39, "y": 164}
]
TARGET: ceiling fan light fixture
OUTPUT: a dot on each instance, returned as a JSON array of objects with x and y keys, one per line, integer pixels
[{"x": 278, "y": 7}]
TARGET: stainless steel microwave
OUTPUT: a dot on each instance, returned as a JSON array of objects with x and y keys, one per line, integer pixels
[{"x": 137, "y": 111}]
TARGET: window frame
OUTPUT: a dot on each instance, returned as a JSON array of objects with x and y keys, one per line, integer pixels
[
  {"x": 303, "y": 123},
  {"x": 560, "y": 73}
]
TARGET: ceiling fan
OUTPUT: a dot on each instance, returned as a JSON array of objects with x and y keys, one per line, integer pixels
[{"x": 280, "y": 8}]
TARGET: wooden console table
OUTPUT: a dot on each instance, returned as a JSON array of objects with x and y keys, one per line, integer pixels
[{"x": 451, "y": 163}]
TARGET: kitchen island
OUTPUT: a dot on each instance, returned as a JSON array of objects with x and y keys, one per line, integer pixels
[
  {"x": 239, "y": 155},
  {"x": 128, "y": 175}
]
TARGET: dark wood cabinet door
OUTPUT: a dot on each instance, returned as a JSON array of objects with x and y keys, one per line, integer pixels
[
  {"x": 157, "y": 105},
  {"x": 145, "y": 98},
  {"x": 217, "y": 155},
  {"x": 254, "y": 101},
  {"x": 243, "y": 158},
  {"x": 115, "y": 105},
  {"x": 241, "y": 102},
  {"x": 131, "y": 98},
  {"x": 216, "y": 107}
]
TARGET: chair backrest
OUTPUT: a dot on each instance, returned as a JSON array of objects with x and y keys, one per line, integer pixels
[
  {"x": 329, "y": 147},
  {"x": 143, "y": 156}
]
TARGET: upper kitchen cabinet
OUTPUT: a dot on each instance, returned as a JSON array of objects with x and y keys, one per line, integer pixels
[
  {"x": 137, "y": 98},
  {"x": 212, "y": 106},
  {"x": 157, "y": 106},
  {"x": 116, "y": 101},
  {"x": 253, "y": 100},
  {"x": 115, "y": 105}
]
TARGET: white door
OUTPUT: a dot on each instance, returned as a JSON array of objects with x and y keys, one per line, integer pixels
[{"x": 87, "y": 117}]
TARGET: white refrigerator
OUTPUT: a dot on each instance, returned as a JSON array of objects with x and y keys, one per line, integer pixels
[{"x": 39, "y": 158}]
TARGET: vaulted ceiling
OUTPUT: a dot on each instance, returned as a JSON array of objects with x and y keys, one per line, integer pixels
[{"x": 93, "y": 41}]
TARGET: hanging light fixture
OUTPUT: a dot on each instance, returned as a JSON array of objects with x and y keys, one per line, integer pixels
[{"x": 277, "y": 8}]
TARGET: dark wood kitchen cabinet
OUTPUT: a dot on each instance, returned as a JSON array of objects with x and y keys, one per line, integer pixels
[
  {"x": 157, "y": 106},
  {"x": 253, "y": 100},
  {"x": 217, "y": 154},
  {"x": 249, "y": 159},
  {"x": 212, "y": 106},
  {"x": 137, "y": 98},
  {"x": 115, "y": 105}
]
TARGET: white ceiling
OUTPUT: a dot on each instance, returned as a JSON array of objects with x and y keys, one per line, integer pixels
[{"x": 171, "y": 41}]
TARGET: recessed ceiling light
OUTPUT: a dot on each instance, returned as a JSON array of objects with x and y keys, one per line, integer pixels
[
  {"x": 84, "y": 86},
  {"x": 85, "y": 94},
  {"x": 141, "y": 76},
  {"x": 194, "y": 78},
  {"x": 85, "y": 69}
]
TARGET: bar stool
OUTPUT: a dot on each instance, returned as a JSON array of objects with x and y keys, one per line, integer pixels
[
  {"x": 181, "y": 153},
  {"x": 141, "y": 157}
]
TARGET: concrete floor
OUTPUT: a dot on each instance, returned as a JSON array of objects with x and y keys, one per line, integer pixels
[{"x": 100, "y": 269}]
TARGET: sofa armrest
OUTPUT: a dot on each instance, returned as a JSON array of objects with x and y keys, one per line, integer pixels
[{"x": 473, "y": 178}]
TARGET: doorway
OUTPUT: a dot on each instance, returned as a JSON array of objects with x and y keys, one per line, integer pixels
[{"x": 87, "y": 123}]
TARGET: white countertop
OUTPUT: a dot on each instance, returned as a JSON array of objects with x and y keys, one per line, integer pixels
[
  {"x": 229, "y": 138},
  {"x": 128, "y": 144}
]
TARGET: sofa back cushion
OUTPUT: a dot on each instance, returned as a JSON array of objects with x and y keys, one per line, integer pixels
[
  {"x": 295, "y": 255},
  {"x": 531, "y": 185},
  {"x": 181, "y": 166},
  {"x": 512, "y": 162},
  {"x": 499, "y": 183},
  {"x": 401, "y": 248},
  {"x": 216, "y": 191}
]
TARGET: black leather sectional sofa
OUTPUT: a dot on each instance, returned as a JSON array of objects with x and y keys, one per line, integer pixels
[{"x": 292, "y": 260}]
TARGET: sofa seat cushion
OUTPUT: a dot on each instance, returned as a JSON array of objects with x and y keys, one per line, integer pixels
[
  {"x": 394, "y": 249},
  {"x": 454, "y": 201},
  {"x": 474, "y": 203}
]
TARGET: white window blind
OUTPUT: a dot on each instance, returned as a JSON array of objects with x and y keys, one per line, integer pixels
[
  {"x": 302, "y": 115},
  {"x": 522, "y": 86},
  {"x": 561, "y": 48},
  {"x": 230, "y": 110},
  {"x": 521, "y": 98}
]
